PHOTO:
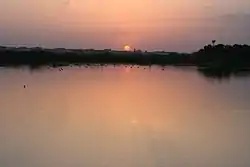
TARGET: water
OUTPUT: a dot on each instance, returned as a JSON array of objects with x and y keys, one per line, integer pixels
[{"x": 122, "y": 117}]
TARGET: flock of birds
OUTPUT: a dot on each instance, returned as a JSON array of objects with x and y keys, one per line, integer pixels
[{"x": 89, "y": 66}]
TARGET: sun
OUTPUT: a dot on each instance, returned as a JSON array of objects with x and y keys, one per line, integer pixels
[{"x": 127, "y": 48}]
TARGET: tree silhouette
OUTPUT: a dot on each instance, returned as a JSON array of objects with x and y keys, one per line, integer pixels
[{"x": 213, "y": 42}]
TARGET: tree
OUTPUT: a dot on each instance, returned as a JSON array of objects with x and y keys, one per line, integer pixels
[{"x": 213, "y": 42}]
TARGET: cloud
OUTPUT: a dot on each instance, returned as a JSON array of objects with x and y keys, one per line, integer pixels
[{"x": 67, "y": 2}]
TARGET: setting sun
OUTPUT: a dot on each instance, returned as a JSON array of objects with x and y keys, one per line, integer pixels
[{"x": 127, "y": 48}]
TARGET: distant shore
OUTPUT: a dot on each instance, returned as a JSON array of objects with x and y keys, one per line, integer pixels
[{"x": 212, "y": 60}]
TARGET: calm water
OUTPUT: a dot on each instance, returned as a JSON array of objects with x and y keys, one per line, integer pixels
[{"x": 122, "y": 117}]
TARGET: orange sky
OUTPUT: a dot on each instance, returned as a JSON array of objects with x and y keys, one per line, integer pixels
[{"x": 145, "y": 24}]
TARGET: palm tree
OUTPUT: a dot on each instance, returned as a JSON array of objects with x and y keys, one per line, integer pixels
[{"x": 213, "y": 42}]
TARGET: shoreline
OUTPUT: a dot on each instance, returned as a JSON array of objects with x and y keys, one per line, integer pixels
[{"x": 213, "y": 61}]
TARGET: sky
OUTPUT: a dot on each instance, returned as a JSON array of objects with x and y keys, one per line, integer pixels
[{"x": 179, "y": 25}]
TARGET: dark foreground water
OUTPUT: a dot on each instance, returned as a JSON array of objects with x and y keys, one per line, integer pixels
[{"x": 122, "y": 117}]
